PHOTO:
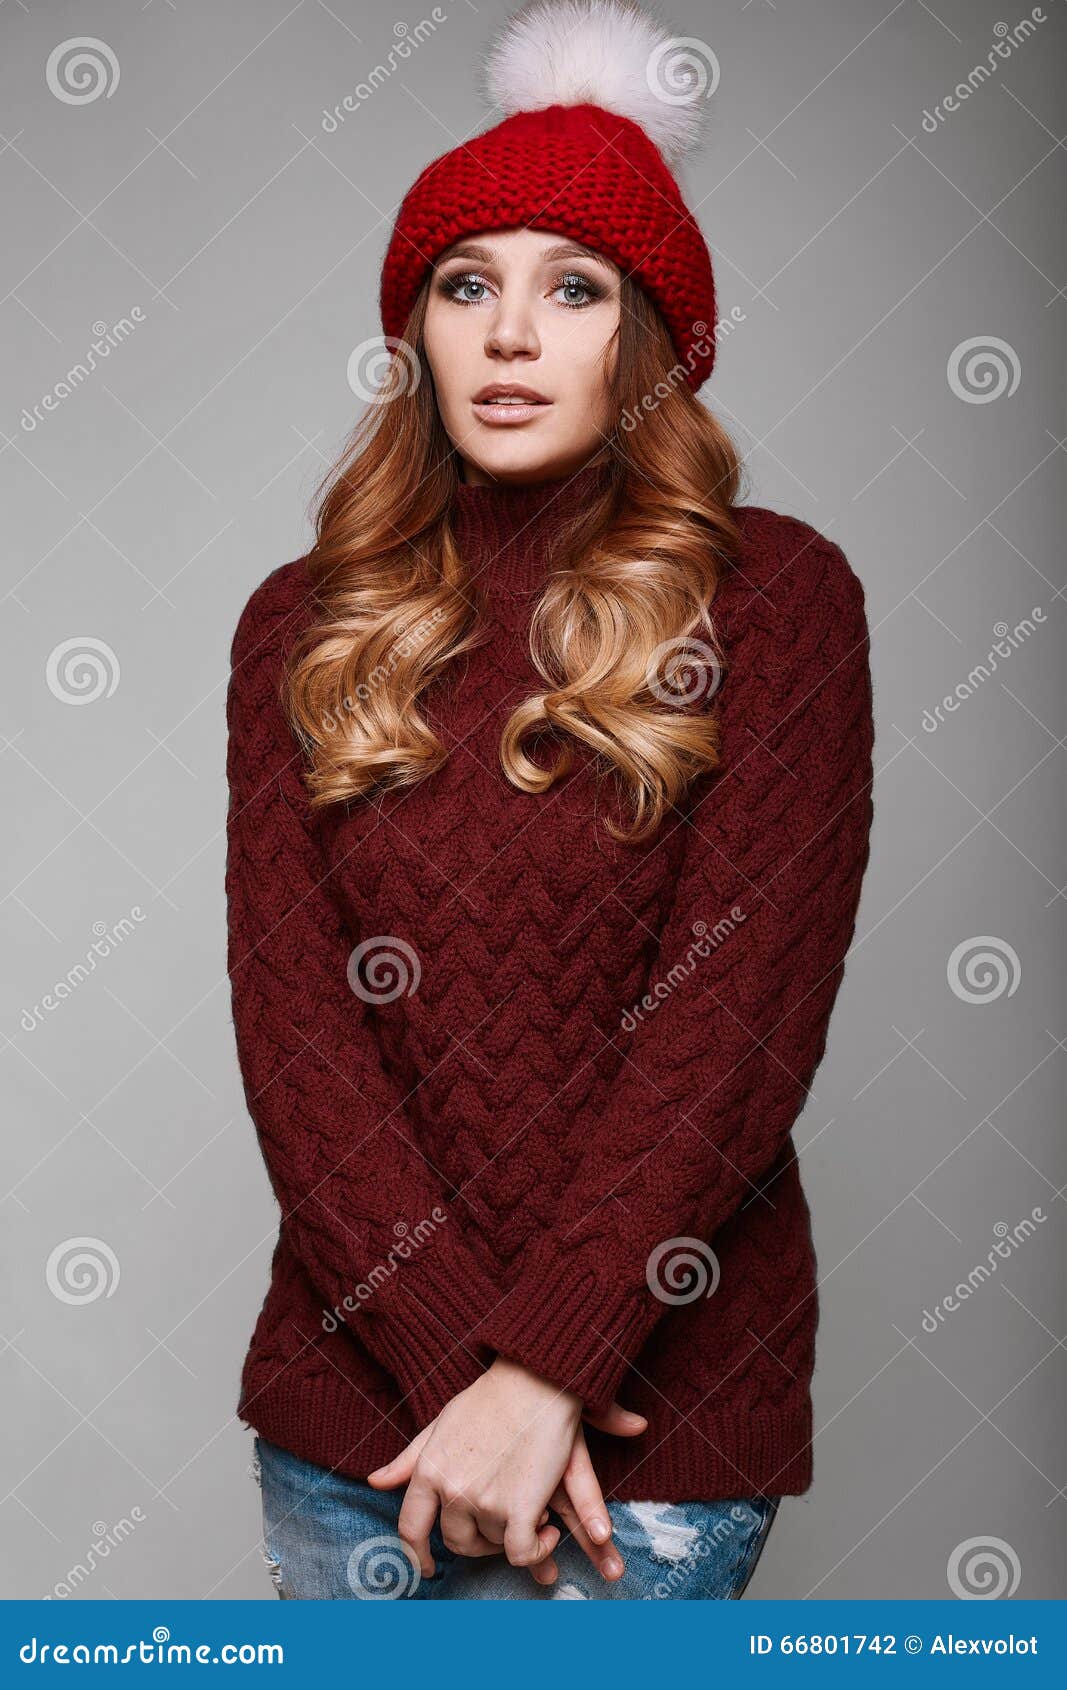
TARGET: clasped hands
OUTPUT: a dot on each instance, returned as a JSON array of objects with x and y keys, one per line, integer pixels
[{"x": 494, "y": 1461}]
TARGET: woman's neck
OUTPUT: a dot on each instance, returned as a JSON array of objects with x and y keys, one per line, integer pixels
[{"x": 503, "y": 528}]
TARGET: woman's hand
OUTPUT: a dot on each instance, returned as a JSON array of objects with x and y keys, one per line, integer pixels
[
  {"x": 495, "y": 1458},
  {"x": 579, "y": 1501}
]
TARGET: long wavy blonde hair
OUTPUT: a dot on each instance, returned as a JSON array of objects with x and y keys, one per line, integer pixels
[{"x": 622, "y": 634}]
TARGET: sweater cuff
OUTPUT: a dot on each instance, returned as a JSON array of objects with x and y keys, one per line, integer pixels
[
  {"x": 426, "y": 1339},
  {"x": 578, "y": 1333}
]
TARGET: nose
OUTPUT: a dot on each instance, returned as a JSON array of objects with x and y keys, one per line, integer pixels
[{"x": 511, "y": 332}]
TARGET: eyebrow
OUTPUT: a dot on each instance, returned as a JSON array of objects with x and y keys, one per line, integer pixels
[{"x": 551, "y": 255}]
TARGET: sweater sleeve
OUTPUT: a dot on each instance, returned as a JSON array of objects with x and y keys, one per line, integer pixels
[
  {"x": 354, "y": 1191},
  {"x": 735, "y": 1023}
]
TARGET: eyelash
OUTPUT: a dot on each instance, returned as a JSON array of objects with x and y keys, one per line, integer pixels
[{"x": 451, "y": 286}]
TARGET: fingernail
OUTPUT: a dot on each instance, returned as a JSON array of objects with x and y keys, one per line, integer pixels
[
  {"x": 599, "y": 1529},
  {"x": 612, "y": 1567}
]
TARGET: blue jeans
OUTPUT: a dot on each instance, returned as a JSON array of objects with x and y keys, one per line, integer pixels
[{"x": 329, "y": 1537}]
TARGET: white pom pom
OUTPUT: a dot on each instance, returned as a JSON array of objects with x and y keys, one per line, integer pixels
[{"x": 608, "y": 53}]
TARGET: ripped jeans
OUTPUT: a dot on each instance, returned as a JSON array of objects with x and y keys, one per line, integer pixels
[{"x": 328, "y": 1537}]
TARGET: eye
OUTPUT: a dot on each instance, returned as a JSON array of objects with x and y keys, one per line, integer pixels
[
  {"x": 573, "y": 283},
  {"x": 454, "y": 287}
]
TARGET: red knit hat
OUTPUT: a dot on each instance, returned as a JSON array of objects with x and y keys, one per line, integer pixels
[{"x": 599, "y": 97}]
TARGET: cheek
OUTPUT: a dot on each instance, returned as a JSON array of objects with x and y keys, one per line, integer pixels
[
  {"x": 585, "y": 351},
  {"x": 445, "y": 346},
  {"x": 586, "y": 364}
]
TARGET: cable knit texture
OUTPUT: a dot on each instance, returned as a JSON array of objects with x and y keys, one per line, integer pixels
[{"x": 523, "y": 1089}]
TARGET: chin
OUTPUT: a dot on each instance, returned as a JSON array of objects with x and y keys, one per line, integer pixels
[{"x": 525, "y": 460}]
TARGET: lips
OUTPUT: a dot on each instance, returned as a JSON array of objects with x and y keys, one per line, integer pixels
[
  {"x": 503, "y": 392},
  {"x": 504, "y": 403}
]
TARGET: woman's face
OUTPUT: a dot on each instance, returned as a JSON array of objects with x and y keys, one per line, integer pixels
[{"x": 525, "y": 309}]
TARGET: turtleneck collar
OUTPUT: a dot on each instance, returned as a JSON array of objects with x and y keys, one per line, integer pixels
[{"x": 501, "y": 528}]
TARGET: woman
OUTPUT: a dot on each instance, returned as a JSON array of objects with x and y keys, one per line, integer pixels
[{"x": 550, "y": 775}]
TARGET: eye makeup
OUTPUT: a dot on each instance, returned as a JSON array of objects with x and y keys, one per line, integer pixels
[{"x": 452, "y": 285}]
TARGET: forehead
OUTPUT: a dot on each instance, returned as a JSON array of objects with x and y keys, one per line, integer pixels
[{"x": 531, "y": 245}]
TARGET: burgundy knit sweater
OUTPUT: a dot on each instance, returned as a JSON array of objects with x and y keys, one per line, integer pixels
[{"x": 559, "y": 1128}]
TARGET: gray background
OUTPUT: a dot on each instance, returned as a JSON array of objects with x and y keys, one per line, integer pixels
[{"x": 142, "y": 510}]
